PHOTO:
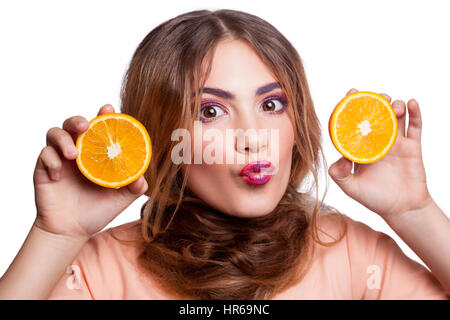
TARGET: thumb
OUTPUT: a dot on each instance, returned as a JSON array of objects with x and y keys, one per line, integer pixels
[
  {"x": 341, "y": 173},
  {"x": 135, "y": 189}
]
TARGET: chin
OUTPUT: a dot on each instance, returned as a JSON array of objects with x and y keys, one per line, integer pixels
[{"x": 252, "y": 210}]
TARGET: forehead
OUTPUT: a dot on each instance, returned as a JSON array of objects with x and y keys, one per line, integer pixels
[{"x": 235, "y": 65}]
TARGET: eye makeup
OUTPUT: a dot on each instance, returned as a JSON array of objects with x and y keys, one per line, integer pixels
[
  {"x": 279, "y": 97},
  {"x": 208, "y": 102}
]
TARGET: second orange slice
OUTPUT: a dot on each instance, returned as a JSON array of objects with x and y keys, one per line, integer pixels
[
  {"x": 114, "y": 151},
  {"x": 363, "y": 127}
]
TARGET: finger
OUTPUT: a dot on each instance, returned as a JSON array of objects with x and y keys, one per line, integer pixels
[
  {"x": 75, "y": 126},
  {"x": 138, "y": 187},
  {"x": 50, "y": 161},
  {"x": 415, "y": 120},
  {"x": 400, "y": 111},
  {"x": 386, "y": 96},
  {"x": 62, "y": 141},
  {"x": 356, "y": 167},
  {"x": 352, "y": 90},
  {"x": 107, "y": 108},
  {"x": 132, "y": 191},
  {"x": 341, "y": 173}
]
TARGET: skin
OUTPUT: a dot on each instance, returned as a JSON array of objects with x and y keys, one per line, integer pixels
[
  {"x": 70, "y": 209},
  {"x": 236, "y": 68},
  {"x": 395, "y": 188}
]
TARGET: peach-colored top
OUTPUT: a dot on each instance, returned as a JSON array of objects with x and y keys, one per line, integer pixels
[{"x": 365, "y": 264}]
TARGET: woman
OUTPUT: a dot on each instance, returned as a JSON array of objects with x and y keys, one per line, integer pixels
[{"x": 225, "y": 231}]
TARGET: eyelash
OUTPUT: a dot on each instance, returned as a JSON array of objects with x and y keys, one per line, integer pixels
[{"x": 280, "y": 98}]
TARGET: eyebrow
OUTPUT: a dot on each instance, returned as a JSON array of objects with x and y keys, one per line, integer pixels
[{"x": 228, "y": 95}]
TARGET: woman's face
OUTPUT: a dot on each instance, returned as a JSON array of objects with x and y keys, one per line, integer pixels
[{"x": 240, "y": 101}]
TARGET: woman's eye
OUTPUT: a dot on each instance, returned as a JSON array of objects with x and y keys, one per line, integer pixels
[
  {"x": 208, "y": 113},
  {"x": 272, "y": 105}
]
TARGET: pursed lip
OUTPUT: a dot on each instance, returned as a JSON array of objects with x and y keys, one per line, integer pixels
[
  {"x": 256, "y": 167},
  {"x": 257, "y": 173}
]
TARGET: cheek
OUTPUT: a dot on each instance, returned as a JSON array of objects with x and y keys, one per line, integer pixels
[
  {"x": 286, "y": 137},
  {"x": 208, "y": 181},
  {"x": 203, "y": 177},
  {"x": 282, "y": 146}
]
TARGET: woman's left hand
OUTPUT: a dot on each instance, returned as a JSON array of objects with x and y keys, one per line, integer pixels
[{"x": 396, "y": 183}]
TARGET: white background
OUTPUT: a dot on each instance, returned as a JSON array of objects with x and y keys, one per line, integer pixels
[{"x": 59, "y": 59}]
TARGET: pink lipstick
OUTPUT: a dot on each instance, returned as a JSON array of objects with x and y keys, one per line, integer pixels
[{"x": 257, "y": 173}]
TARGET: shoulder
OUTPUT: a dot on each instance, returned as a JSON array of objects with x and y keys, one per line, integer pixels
[
  {"x": 104, "y": 268},
  {"x": 108, "y": 259},
  {"x": 362, "y": 245},
  {"x": 112, "y": 240},
  {"x": 354, "y": 234},
  {"x": 377, "y": 267},
  {"x": 116, "y": 246}
]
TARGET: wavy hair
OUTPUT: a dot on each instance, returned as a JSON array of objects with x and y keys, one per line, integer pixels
[{"x": 193, "y": 250}]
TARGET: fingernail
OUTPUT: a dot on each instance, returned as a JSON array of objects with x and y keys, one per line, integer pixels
[{"x": 56, "y": 176}]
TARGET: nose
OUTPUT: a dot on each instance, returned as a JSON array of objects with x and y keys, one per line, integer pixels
[{"x": 250, "y": 137}]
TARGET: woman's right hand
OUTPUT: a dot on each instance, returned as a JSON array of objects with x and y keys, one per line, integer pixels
[{"x": 67, "y": 202}]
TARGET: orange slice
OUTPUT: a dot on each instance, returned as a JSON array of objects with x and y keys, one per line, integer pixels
[
  {"x": 114, "y": 151},
  {"x": 363, "y": 127}
]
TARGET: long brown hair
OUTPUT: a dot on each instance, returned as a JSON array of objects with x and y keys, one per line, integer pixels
[{"x": 193, "y": 250}]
